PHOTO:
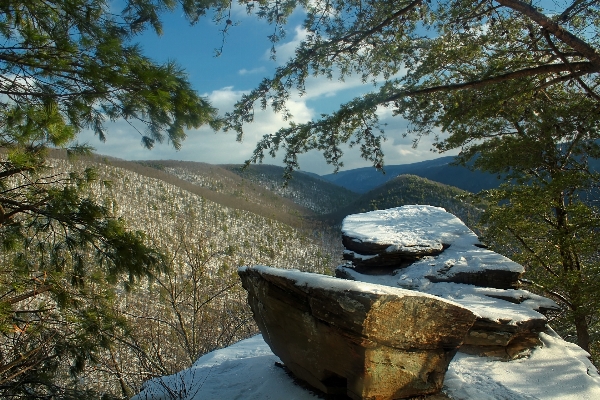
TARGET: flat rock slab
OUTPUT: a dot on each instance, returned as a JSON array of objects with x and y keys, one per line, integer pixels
[
  {"x": 428, "y": 239},
  {"x": 362, "y": 340},
  {"x": 413, "y": 232},
  {"x": 508, "y": 320}
]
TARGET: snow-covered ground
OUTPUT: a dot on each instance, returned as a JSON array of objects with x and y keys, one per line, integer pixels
[{"x": 247, "y": 370}]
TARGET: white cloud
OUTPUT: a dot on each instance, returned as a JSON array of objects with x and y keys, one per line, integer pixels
[
  {"x": 287, "y": 50},
  {"x": 321, "y": 86},
  {"x": 322, "y": 95},
  {"x": 219, "y": 148},
  {"x": 201, "y": 144},
  {"x": 258, "y": 70}
]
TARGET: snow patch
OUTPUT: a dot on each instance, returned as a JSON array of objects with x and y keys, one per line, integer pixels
[{"x": 246, "y": 370}]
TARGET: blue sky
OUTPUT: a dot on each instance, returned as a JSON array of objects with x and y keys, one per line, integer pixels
[{"x": 243, "y": 64}]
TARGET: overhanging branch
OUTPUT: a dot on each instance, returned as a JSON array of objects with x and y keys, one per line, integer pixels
[
  {"x": 553, "y": 27},
  {"x": 580, "y": 67}
]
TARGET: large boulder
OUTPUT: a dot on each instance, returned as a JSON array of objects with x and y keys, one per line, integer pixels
[
  {"x": 440, "y": 244},
  {"x": 426, "y": 249},
  {"x": 362, "y": 340}
]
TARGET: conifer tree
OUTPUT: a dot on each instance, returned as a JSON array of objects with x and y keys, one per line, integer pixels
[
  {"x": 514, "y": 84},
  {"x": 65, "y": 66},
  {"x": 546, "y": 214},
  {"x": 419, "y": 53}
]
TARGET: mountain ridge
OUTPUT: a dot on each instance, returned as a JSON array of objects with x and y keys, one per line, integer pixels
[{"x": 441, "y": 170}]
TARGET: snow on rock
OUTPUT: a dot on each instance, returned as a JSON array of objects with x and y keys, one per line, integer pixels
[
  {"x": 486, "y": 303},
  {"x": 246, "y": 370},
  {"x": 463, "y": 271},
  {"x": 435, "y": 243},
  {"x": 308, "y": 282},
  {"x": 405, "y": 229},
  {"x": 346, "y": 337},
  {"x": 557, "y": 370},
  {"x": 462, "y": 254}
]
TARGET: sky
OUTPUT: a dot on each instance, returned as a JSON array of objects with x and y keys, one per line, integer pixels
[{"x": 244, "y": 62}]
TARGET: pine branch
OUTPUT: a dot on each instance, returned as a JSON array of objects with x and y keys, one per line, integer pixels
[
  {"x": 583, "y": 48},
  {"x": 579, "y": 67}
]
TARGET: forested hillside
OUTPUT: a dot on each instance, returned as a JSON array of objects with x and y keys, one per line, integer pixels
[
  {"x": 260, "y": 185},
  {"x": 411, "y": 189},
  {"x": 319, "y": 195},
  {"x": 198, "y": 304},
  {"x": 221, "y": 186}
]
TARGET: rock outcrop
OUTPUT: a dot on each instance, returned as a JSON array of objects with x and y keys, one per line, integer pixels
[
  {"x": 363, "y": 340},
  {"x": 426, "y": 249},
  {"x": 417, "y": 235}
]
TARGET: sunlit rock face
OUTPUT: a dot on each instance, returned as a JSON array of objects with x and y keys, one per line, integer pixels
[
  {"x": 426, "y": 249},
  {"x": 362, "y": 340},
  {"x": 440, "y": 245}
]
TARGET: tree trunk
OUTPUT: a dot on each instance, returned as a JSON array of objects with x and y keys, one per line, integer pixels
[{"x": 583, "y": 333}]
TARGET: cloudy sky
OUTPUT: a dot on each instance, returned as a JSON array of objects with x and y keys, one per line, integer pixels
[{"x": 244, "y": 62}]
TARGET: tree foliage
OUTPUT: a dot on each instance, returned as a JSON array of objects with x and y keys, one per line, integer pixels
[
  {"x": 546, "y": 216},
  {"x": 513, "y": 84},
  {"x": 65, "y": 66},
  {"x": 199, "y": 305},
  {"x": 423, "y": 56},
  {"x": 68, "y": 65}
]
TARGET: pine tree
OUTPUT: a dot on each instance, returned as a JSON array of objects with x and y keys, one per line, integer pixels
[
  {"x": 512, "y": 82},
  {"x": 65, "y": 66},
  {"x": 546, "y": 215},
  {"x": 423, "y": 56}
]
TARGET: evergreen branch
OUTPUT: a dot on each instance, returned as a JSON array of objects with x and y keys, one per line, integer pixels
[
  {"x": 32, "y": 293},
  {"x": 565, "y": 16},
  {"x": 580, "y": 67},
  {"x": 565, "y": 61},
  {"x": 361, "y": 35},
  {"x": 14, "y": 171},
  {"x": 583, "y": 48},
  {"x": 531, "y": 251}
]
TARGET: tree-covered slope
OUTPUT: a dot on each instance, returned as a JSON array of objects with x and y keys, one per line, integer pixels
[
  {"x": 198, "y": 305},
  {"x": 316, "y": 194},
  {"x": 411, "y": 189},
  {"x": 221, "y": 186}
]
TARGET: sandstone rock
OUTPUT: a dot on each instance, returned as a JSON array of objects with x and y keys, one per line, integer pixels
[
  {"x": 507, "y": 319},
  {"x": 362, "y": 340},
  {"x": 428, "y": 238},
  {"x": 401, "y": 232},
  {"x": 463, "y": 271},
  {"x": 396, "y": 260},
  {"x": 401, "y": 251},
  {"x": 518, "y": 347},
  {"x": 494, "y": 278}
]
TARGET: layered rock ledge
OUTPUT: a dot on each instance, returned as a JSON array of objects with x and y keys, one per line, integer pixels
[
  {"x": 362, "y": 340},
  {"x": 426, "y": 249}
]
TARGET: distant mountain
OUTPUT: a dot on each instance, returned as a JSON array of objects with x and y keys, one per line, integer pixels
[
  {"x": 260, "y": 189},
  {"x": 361, "y": 180}
]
